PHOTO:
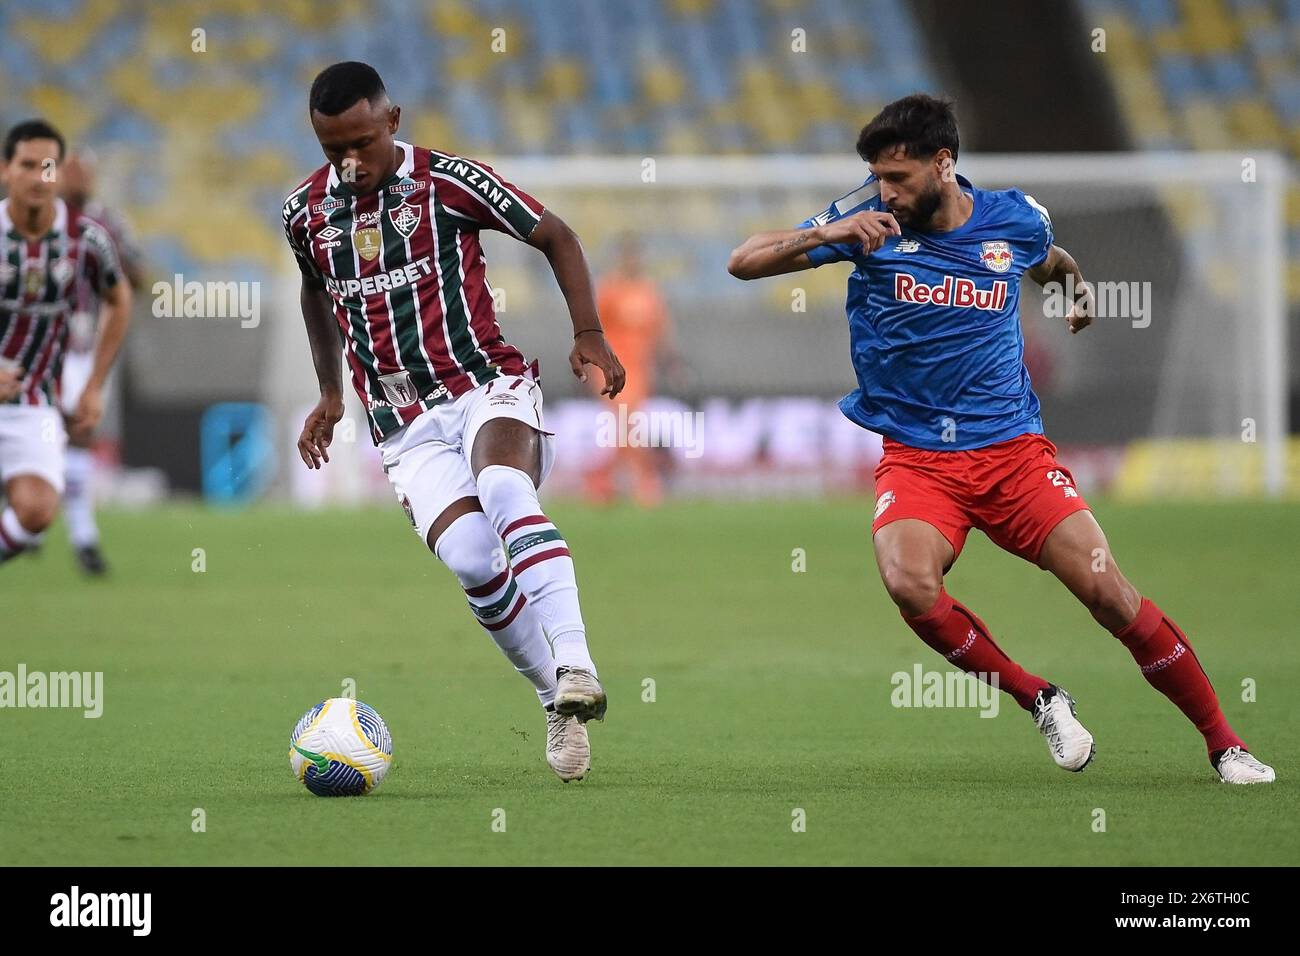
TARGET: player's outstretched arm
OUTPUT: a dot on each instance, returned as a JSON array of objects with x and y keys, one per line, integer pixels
[
  {"x": 563, "y": 250},
  {"x": 326, "y": 356},
  {"x": 786, "y": 250},
  {"x": 1060, "y": 270}
]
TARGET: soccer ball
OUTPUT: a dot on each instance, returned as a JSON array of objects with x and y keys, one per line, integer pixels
[{"x": 341, "y": 748}]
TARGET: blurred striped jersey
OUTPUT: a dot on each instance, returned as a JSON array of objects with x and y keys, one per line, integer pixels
[{"x": 39, "y": 283}]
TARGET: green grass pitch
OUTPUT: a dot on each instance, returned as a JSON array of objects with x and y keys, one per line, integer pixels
[{"x": 772, "y": 693}]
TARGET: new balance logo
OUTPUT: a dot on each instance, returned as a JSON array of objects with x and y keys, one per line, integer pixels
[{"x": 1061, "y": 480}]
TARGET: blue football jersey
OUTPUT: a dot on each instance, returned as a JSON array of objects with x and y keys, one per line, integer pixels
[{"x": 934, "y": 322}]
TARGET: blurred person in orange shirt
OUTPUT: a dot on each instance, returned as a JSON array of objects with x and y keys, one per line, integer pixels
[{"x": 639, "y": 330}]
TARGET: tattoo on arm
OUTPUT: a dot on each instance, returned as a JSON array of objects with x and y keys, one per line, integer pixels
[{"x": 794, "y": 243}]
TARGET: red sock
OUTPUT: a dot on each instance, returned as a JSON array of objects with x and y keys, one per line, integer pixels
[
  {"x": 1170, "y": 666},
  {"x": 962, "y": 638}
]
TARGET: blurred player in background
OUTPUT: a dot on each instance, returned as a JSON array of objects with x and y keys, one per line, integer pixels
[
  {"x": 77, "y": 188},
  {"x": 933, "y": 309},
  {"x": 46, "y": 250},
  {"x": 638, "y": 329},
  {"x": 386, "y": 235}
]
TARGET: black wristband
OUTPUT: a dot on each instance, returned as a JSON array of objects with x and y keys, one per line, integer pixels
[{"x": 585, "y": 331}]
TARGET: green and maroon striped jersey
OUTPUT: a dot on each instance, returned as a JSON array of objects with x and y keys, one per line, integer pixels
[
  {"x": 85, "y": 319},
  {"x": 406, "y": 273},
  {"x": 39, "y": 282}
]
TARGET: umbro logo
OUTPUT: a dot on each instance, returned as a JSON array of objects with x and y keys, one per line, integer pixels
[{"x": 330, "y": 232}]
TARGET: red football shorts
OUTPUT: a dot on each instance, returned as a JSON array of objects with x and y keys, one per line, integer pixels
[{"x": 1016, "y": 492}]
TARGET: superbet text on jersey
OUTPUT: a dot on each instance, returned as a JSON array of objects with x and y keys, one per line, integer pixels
[{"x": 406, "y": 273}]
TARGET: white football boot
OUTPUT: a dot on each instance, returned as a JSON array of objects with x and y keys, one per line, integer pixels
[
  {"x": 1071, "y": 745},
  {"x": 578, "y": 694},
  {"x": 1238, "y": 766},
  {"x": 568, "y": 750}
]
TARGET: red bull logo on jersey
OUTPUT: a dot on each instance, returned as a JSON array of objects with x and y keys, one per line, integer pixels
[
  {"x": 996, "y": 255},
  {"x": 952, "y": 291}
]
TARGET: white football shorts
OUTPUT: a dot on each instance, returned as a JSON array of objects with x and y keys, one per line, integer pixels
[
  {"x": 32, "y": 440},
  {"x": 427, "y": 461}
]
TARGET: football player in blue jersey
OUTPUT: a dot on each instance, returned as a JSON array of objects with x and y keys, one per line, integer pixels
[{"x": 933, "y": 309}]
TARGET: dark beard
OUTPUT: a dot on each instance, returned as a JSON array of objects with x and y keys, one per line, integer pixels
[{"x": 927, "y": 204}]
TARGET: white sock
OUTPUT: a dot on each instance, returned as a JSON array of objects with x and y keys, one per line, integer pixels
[
  {"x": 540, "y": 558},
  {"x": 78, "y": 504},
  {"x": 473, "y": 552},
  {"x": 14, "y": 538}
]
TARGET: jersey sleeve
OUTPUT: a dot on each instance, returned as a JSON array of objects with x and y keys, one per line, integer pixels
[
  {"x": 475, "y": 191},
  {"x": 865, "y": 197},
  {"x": 102, "y": 268},
  {"x": 129, "y": 253},
  {"x": 1041, "y": 235},
  {"x": 295, "y": 233}
]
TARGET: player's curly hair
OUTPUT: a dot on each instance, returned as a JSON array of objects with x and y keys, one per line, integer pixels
[
  {"x": 338, "y": 87},
  {"x": 919, "y": 123},
  {"x": 31, "y": 129}
]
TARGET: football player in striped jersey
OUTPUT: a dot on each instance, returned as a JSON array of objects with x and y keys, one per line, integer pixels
[
  {"x": 77, "y": 182},
  {"x": 386, "y": 236},
  {"x": 46, "y": 252}
]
